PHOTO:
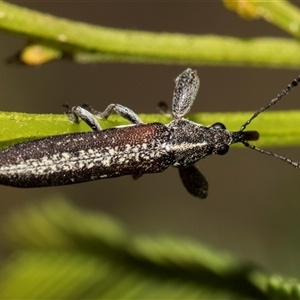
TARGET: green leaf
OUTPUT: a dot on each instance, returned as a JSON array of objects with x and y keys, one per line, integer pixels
[{"x": 63, "y": 252}]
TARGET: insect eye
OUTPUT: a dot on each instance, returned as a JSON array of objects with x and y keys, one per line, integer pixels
[
  {"x": 223, "y": 150},
  {"x": 218, "y": 125}
]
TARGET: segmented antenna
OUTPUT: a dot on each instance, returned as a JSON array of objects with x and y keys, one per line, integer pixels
[
  {"x": 284, "y": 158},
  {"x": 284, "y": 92}
]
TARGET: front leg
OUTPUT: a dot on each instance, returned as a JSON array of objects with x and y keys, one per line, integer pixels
[
  {"x": 87, "y": 114},
  {"x": 77, "y": 113},
  {"x": 194, "y": 181},
  {"x": 121, "y": 110}
]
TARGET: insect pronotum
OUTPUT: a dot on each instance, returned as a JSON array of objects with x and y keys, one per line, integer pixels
[{"x": 134, "y": 150}]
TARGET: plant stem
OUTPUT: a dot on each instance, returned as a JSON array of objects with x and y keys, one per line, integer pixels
[
  {"x": 276, "y": 128},
  {"x": 280, "y": 13},
  {"x": 89, "y": 43}
]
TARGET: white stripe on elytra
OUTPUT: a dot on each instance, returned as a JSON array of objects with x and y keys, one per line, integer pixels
[{"x": 65, "y": 161}]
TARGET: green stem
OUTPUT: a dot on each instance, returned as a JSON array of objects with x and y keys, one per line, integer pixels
[
  {"x": 87, "y": 43},
  {"x": 280, "y": 13},
  {"x": 276, "y": 128}
]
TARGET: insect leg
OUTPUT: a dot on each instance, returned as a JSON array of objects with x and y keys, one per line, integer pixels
[
  {"x": 121, "y": 110},
  {"x": 164, "y": 109},
  {"x": 194, "y": 181},
  {"x": 136, "y": 176},
  {"x": 185, "y": 92},
  {"x": 78, "y": 113}
]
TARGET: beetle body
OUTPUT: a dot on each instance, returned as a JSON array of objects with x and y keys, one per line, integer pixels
[
  {"x": 135, "y": 149},
  {"x": 81, "y": 157}
]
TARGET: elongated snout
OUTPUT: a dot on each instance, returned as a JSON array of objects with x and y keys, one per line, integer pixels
[{"x": 244, "y": 136}]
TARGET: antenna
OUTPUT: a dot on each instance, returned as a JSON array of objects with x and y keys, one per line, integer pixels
[
  {"x": 283, "y": 93},
  {"x": 284, "y": 158}
]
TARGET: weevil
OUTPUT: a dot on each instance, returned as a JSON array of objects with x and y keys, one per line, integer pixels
[{"x": 135, "y": 149}]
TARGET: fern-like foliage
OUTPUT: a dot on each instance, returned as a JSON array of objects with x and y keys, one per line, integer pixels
[{"x": 63, "y": 252}]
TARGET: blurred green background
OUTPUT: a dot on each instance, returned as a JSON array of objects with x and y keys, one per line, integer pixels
[{"x": 253, "y": 205}]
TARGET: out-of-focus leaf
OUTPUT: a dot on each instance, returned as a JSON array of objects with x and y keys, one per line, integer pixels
[{"x": 62, "y": 252}]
